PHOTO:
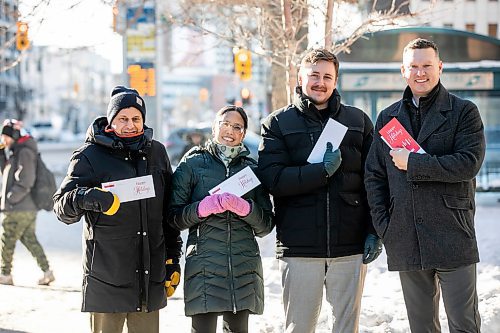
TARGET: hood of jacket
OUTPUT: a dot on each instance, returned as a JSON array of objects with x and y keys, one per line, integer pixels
[
  {"x": 96, "y": 133},
  {"x": 306, "y": 106},
  {"x": 25, "y": 141}
]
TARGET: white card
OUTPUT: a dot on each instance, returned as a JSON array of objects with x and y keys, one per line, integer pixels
[
  {"x": 131, "y": 189},
  {"x": 238, "y": 184},
  {"x": 333, "y": 132}
]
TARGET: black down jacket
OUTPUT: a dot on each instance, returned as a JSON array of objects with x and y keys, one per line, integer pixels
[
  {"x": 316, "y": 216},
  {"x": 223, "y": 269},
  {"x": 124, "y": 254}
]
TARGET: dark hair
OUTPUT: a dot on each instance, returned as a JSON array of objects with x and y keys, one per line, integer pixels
[
  {"x": 315, "y": 55},
  {"x": 238, "y": 109},
  {"x": 421, "y": 43}
]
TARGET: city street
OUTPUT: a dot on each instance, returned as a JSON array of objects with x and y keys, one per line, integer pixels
[{"x": 27, "y": 307}]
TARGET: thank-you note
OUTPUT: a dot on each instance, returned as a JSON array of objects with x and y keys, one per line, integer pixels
[
  {"x": 396, "y": 136},
  {"x": 131, "y": 189},
  {"x": 238, "y": 184},
  {"x": 334, "y": 133}
]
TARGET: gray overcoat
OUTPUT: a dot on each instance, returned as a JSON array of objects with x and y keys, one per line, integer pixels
[{"x": 425, "y": 215}]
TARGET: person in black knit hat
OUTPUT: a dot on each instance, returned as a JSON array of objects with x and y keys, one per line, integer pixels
[
  {"x": 18, "y": 168},
  {"x": 132, "y": 256}
]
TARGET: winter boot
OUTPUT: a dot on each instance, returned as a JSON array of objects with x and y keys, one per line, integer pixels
[
  {"x": 47, "y": 278},
  {"x": 6, "y": 279}
]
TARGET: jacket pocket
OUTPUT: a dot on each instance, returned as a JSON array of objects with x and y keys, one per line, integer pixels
[
  {"x": 461, "y": 209},
  {"x": 352, "y": 218},
  {"x": 114, "y": 260}
]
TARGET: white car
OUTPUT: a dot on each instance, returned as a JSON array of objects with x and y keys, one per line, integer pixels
[{"x": 44, "y": 131}]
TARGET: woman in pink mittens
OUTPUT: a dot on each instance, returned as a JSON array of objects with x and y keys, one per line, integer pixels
[{"x": 223, "y": 272}]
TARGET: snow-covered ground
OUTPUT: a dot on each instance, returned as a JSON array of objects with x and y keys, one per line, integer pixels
[{"x": 27, "y": 307}]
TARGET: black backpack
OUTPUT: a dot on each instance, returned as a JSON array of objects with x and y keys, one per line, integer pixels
[{"x": 45, "y": 186}]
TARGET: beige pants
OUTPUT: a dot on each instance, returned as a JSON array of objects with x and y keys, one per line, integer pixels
[
  {"x": 137, "y": 322},
  {"x": 303, "y": 280}
]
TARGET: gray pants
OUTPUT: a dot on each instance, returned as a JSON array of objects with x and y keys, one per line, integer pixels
[
  {"x": 421, "y": 291},
  {"x": 137, "y": 322},
  {"x": 303, "y": 280},
  {"x": 20, "y": 226}
]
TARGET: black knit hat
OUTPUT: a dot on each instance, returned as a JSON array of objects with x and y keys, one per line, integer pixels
[
  {"x": 9, "y": 130},
  {"x": 122, "y": 98}
]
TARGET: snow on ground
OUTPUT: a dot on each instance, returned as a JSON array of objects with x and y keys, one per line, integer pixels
[{"x": 27, "y": 307}]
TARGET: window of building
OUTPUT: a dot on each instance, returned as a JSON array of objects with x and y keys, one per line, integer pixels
[
  {"x": 471, "y": 27},
  {"x": 493, "y": 30}
]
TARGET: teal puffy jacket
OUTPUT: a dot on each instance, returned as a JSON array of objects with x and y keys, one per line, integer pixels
[{"x": 223, "y": 266}]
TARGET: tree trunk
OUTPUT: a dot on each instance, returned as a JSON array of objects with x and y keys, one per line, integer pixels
[{"x": 328, "y": 24}]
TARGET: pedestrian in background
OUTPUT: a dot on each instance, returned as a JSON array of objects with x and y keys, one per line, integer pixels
[
  {"x": 324, "y": 229},
  {"x": 131, "y": 255},
  {"x": 423, "y": 204},
  {"x": 18, "y": 158},
  {"x": 223, "y": 273}
]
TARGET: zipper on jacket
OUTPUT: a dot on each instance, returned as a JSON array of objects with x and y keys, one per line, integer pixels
[
  {"x": 328, "y": 222},
  {"x": 311, "y": 137},
  {"x": 230, "y": 263}
]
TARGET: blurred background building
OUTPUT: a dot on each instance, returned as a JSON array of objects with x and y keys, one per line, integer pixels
[{"x": 186, "y": 74}]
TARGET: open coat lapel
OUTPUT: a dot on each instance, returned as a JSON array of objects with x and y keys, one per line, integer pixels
[{"x": 436, "y": 117}]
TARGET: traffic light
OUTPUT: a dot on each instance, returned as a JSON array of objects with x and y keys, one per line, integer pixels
[
  {"x": 142, "y": 78},
  {"x": 22, "y": 41},
  {"x": 246, "y": 96},
  {"x": 243, "y": 64}
]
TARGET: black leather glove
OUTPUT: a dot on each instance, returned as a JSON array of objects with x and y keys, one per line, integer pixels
[
  {"x": 331, "y": 159},
  {"x": 97, "y": 200},
  {"x": 373, "y": 248},
  {"x": 173, "y": 276}
]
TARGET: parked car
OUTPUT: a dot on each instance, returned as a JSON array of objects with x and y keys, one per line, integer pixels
[
  {"x": 179, "y": 141},
  {"x": 44, "y": 131}
]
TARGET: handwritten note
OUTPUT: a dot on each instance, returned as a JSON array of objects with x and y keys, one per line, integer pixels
[
  {"x": 238, "y": 184},
  {"x": 132, "y": 188}
]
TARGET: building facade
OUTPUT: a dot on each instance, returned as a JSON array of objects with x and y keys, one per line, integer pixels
[
  {"x": 12, "y": 94},
  {"x": 477, "y": 16}
]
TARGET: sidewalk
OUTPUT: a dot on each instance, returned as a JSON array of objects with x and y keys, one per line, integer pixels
[{"x": 27, "y": 307}]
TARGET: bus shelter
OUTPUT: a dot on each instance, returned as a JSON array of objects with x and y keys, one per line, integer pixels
[{"x": 370, "y": 78}]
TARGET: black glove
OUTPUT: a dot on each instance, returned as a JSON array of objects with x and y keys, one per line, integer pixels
[
  {"x": 331, "y": 159},
  {"x": 97, "y": 200},
  {"x": 373, "y": 248},
  {"x": 173, "y": 276}
]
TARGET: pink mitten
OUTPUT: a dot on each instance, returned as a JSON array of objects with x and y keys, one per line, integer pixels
[
  {"x": 210, "y": 205},
  {"x": 236, "y": 204}
]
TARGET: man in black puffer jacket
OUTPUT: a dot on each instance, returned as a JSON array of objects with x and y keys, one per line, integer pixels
[
  {"x": 131, "y": 254},
  {"x": 324, "y": 229}
]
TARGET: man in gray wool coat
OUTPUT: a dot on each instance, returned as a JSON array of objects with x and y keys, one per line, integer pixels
[{"x": 422, "y": 205}]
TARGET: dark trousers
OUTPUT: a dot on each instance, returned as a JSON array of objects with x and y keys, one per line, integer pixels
[
  {"x": 421, "y": 291},
  {"x": 232, "y": 322}
]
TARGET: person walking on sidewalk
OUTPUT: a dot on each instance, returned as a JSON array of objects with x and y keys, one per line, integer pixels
[
  {"x": 131, "y": 255},
  {"x": 324, "y": 231},
  {"x": 18, "y": 158},
  {"x": 422, "y": 204}
]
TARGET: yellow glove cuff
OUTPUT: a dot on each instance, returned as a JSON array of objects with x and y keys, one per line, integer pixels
[{"x": 114, "y": 207}]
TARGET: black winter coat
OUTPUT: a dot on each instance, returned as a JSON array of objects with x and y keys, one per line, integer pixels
[
  {"x": 425, "y": 215},
  {"x": 316, "y": 216},
  {"x": 223, "y": 269},
  {"x": 124, "y": 254}
]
